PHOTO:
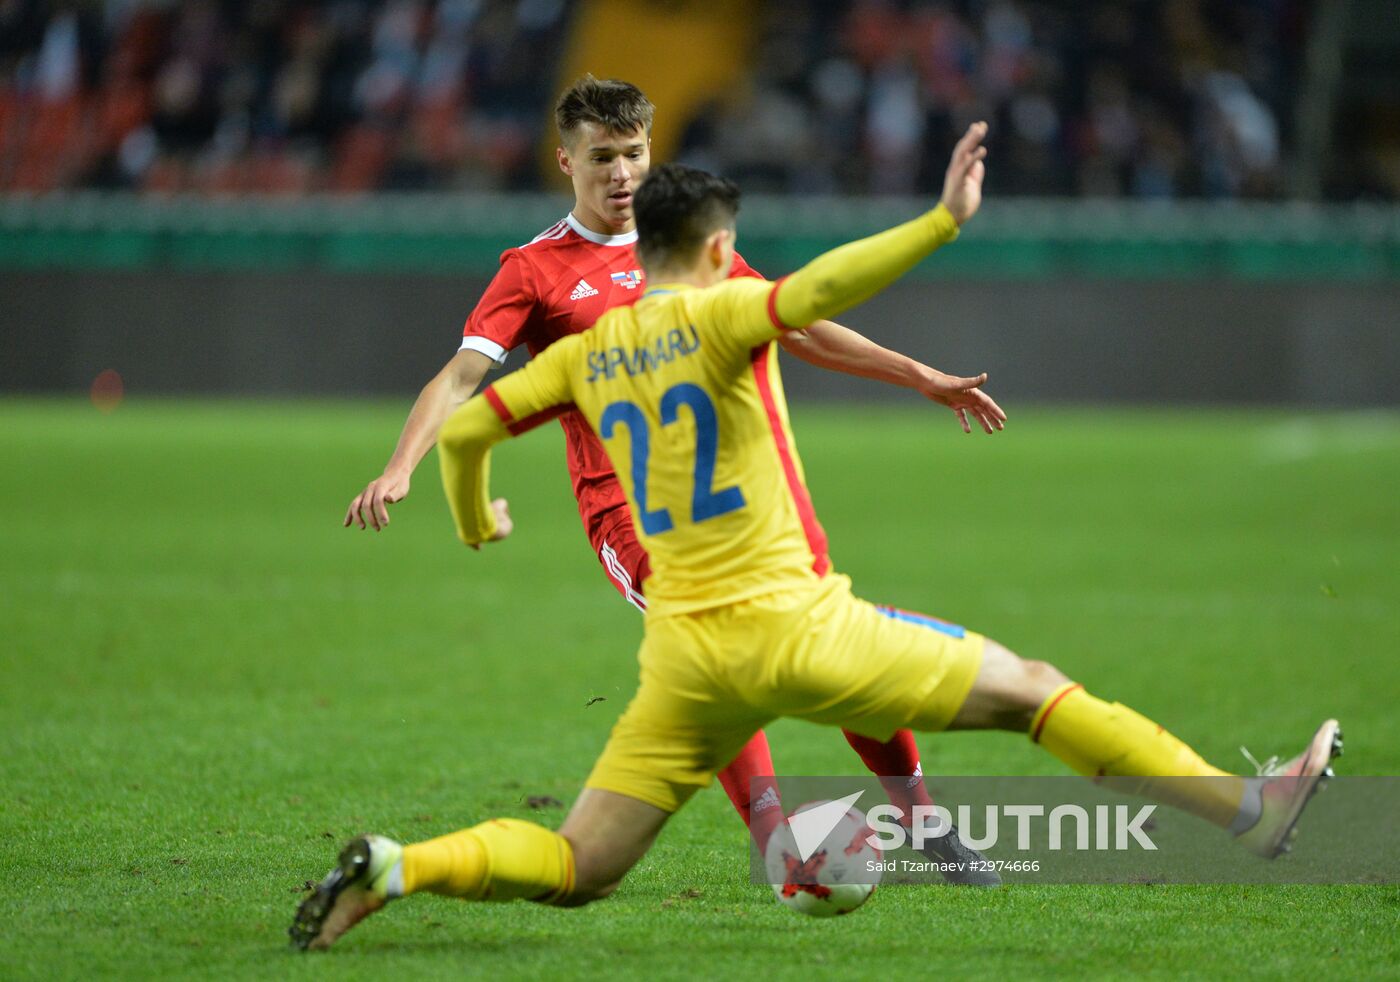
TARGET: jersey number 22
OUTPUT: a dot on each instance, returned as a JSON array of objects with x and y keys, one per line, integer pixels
[{"x": 705, "y": 502}]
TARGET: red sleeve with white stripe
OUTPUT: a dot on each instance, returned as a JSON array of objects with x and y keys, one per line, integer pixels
[
  {"x": 498, "y": 322},
  {"x": 538, "y": 392}
]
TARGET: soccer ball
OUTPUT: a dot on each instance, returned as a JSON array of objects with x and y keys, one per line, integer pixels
[{"x": 835, "y": 879}]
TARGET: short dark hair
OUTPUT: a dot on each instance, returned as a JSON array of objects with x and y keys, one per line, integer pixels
[
  {"x": 618, "y": 107},
  {"x": 676, "y": 208}
]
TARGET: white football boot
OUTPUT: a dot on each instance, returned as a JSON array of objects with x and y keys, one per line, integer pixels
[{"x": 1282, "y": 790}]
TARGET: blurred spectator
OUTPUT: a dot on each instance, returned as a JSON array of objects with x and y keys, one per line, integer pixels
[
  {"x": 1127, "y": 98},
  {"x": 1155, "y": 100},
  {"x": 274, "y": 96}
]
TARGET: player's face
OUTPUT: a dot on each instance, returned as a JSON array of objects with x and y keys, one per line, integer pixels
[{"x": 606, "y": 168}]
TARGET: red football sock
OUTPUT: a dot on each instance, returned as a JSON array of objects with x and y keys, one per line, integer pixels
[
  {"x": 751, "y": 786},
  {"x": 896, "y": 763}
]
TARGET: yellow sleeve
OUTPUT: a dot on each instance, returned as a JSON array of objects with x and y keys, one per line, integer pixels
[
  {"x": 516, "y": 404},
  {"x": 464, "y": 453},
  {"x": 855, "y": 272},
  {"x": 753, "y": 311},
  {"x": 735, "y": 314}
]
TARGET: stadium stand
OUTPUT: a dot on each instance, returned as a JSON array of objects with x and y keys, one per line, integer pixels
[{"x": 1144, "y": 100}]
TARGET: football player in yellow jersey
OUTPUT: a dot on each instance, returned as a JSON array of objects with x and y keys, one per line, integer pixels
[{"x": 746, "y": 622}]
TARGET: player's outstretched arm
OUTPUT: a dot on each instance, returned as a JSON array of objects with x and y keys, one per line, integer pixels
[
  {"x": 852, "y": 273},
  {"x": 516, "y": 404},
  {"x": 464, "y": 448},
  {"x": 448, "y": 389},
  {"x": 832, "y": 346},
  {"x": 829, "y": 345}
]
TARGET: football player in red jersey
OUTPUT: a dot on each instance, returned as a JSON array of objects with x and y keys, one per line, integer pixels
[{"x": 559, "y": 284}]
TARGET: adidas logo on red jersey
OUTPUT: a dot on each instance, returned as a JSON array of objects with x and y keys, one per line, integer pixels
[
  {"x": 583, "y": 290},
  {"x": 769, "y": 799}
]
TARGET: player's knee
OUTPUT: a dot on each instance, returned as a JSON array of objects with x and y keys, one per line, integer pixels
[
  {"x": 1042, "y": 679},
  {"x": 1035, "y": 683},
  {"x": 1018, "y": 687}
]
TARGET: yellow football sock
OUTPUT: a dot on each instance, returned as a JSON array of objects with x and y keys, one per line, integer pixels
[
  {"x": 503, "y": 859},
  {"x": 1097, "y": 738}
]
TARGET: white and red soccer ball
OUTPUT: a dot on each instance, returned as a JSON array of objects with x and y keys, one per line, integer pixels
[{"x": 837, "y": 876}]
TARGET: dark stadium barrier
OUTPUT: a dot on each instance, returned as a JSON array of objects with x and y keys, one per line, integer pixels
[
  {"x": 1059, "y": 301},
  {"x": 317, "y": 333}
]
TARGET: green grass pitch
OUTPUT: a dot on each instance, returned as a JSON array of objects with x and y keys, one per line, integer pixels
[{"x": 208, "y": 684}]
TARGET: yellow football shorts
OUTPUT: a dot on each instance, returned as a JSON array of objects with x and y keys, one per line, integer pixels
[{"x": 710, "y": 679}]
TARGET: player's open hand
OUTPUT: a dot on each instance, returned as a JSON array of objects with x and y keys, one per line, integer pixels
[
  {"x": 372, "y": 504},
  {"x": 962, "y": 185},
  {"x": 964, "y": 396}
]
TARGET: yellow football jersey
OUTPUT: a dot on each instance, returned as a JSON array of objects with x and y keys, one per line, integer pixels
[{"x": 684, "y": 391}]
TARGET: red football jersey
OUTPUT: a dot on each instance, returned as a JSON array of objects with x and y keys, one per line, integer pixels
[{"x": 559, "y": 284}]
